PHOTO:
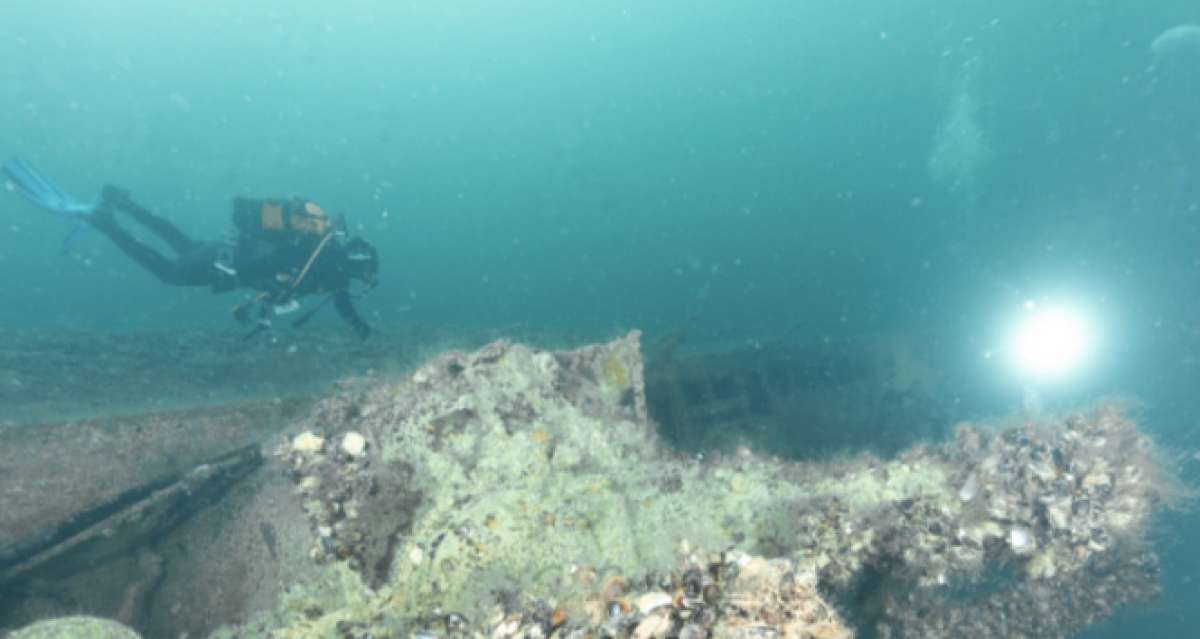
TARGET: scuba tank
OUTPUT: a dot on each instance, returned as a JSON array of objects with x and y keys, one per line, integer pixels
[{"x": 280, "y": 220}]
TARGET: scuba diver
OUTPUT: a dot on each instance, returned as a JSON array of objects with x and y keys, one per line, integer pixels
[{"x": 284, "y": 250}]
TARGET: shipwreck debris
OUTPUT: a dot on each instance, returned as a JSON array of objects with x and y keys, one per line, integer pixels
[
  {"x": 530, "y": 475},
  {"x": 121, "y": 525}
]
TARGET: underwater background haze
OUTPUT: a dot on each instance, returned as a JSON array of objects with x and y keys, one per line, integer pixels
[{"x": 744, "y": 169}]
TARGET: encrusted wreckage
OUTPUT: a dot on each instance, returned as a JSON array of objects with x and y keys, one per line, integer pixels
[
  {"x": 523, "y": 470},
  {"x": 514, "y": 492}
]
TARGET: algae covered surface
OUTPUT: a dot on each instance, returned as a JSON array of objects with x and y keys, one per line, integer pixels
[
  {"x": 536, "y": 474},
  {"x": 75, "y": 628},
  {"x": 513, "y": 491}
]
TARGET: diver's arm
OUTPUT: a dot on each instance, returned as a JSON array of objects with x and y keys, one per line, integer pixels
[{"x": 345, "y": 308}]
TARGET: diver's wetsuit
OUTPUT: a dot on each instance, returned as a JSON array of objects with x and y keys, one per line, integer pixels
[
  {"x": 192, "y": 267},
  {"x": 271, "y": 268}
]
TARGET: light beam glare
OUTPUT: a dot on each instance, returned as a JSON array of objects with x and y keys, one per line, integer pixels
[{"x": 1050, "y": 343}]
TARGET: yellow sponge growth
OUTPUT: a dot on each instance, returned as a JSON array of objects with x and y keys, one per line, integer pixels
[{"x": 615, "y": 373}]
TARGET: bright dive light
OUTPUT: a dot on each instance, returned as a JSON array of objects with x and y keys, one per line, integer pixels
[{"x": 1050, "y": 343}]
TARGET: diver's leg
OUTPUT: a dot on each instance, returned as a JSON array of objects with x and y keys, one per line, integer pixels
[
  {"x": 198, "y": 267},
  {"x": 150, "y": 259},
  {"x": 160, "y": 226}
]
